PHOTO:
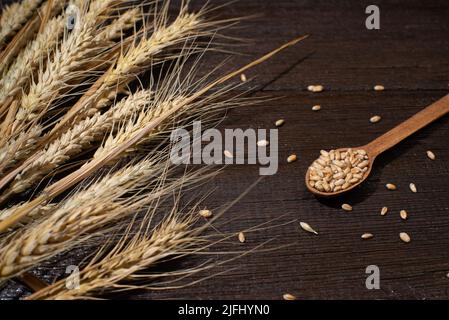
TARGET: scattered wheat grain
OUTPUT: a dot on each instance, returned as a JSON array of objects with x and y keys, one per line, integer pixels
[
  {"x": 292, "y": 158},
  {"x": 379, "y": 87},
  {"x": 315, "y": 88},
  {"x": 228, "y": 154},
  {"x": 403, "y": 214},
  {"x": 279, "y": 122},
  {"x": 288, "y": 296},
  {"x": 305, "y": 226},
  {"x": 404, "y": 237},
  {"x": 375, "y": 119},
  {"x": 205, "y": 213},
  {"x": 430, "y": 155},
  {"x": 390, "y": 186}
]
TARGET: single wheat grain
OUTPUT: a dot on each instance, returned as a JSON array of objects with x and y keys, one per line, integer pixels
[
  {"x": 279, "y": 122},
  {"x": 305, "y": 226},
  {"x": 404, "y": 237}
]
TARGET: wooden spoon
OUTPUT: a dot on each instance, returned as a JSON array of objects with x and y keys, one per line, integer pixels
[{"x": 390, "y": 139}]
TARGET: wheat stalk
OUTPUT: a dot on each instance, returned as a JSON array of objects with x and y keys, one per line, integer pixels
[
  {"x": 77, "y": 176},
  {"x": 133, "y": 62},
  {"x": 77, "y": 49},
  {"x": 14, "y": 17},
  {"x": 28, "y": 60},
  {"x": 77, "y": 139},
  {"x": 170, "y": 93},
  {"x": 86, "y": 213},
  {"x": 136, "y": 60},
  {"x": 172, "y": 238},
  {"x": 48, "y": 10},
  {"x": 74, "y": 53},
  {"x": 18, "y": 148},
  {"x": 126, "y": 21},
  {"x": 79, "y": 214}
]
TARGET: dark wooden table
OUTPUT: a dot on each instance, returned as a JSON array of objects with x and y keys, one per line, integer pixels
[{"x": 409, "y": 55}]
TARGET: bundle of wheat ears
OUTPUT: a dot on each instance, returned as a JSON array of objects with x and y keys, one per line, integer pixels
[{"x": 89, "y": 93}]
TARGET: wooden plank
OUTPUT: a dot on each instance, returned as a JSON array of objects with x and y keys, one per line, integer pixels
[{"x": 409, "y": 56}]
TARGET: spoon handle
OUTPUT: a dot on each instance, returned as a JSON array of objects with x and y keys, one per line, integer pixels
[{"x": 409, "y": 126}]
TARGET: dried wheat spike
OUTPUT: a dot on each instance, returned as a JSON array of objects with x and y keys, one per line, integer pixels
[
  {"x": 185, "y": 27},
  {"x": 28, "y": 61},
  {"x": 14, "y": 17},
  {"x": 74, "y": 141},
  {"x": 173, "y": 237},
  {"x": 77, "y": 50},
  {"x": 28, "y": 32},
  {"x": 89, "y": 168},
  {"x": 79, "y": 215},
  {"x": 137, "y": 59},
  {"x": 18, "y": 148}
]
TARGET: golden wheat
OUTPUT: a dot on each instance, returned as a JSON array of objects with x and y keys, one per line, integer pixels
[
  {"x": 80, "y": 214},
  {"x": 77, "y": 139},
  {"x": 18, "y": 148},
  {"x": 92, "y": 166},
  {"x": 28, "y": 60},
  {"x": 173, "y": 237},
  {"x": 73, "y": 54},
  {"x": 136, "y": 60},
  {"x": 48, "y": 10},
  {"x": 14, "y": 17}
]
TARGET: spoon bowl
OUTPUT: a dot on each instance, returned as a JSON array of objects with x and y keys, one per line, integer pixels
[{"x": 324, "y": 194}]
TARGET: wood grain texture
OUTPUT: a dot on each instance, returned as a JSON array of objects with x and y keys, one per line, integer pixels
[{"x": 409, "y": 55}]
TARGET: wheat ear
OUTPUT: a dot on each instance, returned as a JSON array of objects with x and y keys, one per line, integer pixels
[
  {"x": 172, "y": 238},
  {"x": 19, "y": 147},
  {"x": 48, "y": 10},
  {"x": 75, "y": 52},
  {"x": 126, "y": 21},
  {"x": 91, "y": 167},
  {"x": 14, "y": 17},
  {"x": 77, "y": 139},
  {"x": 87, "y": 212},
  {"x": 78, "y": 47},
  {"x": 168, "y": 94},
  {"x": 80, "y": 214},
  {"x": 28, "y": 60},
  {"x": 134, "y": 61},
  {"x": 34, "y": 215}
]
